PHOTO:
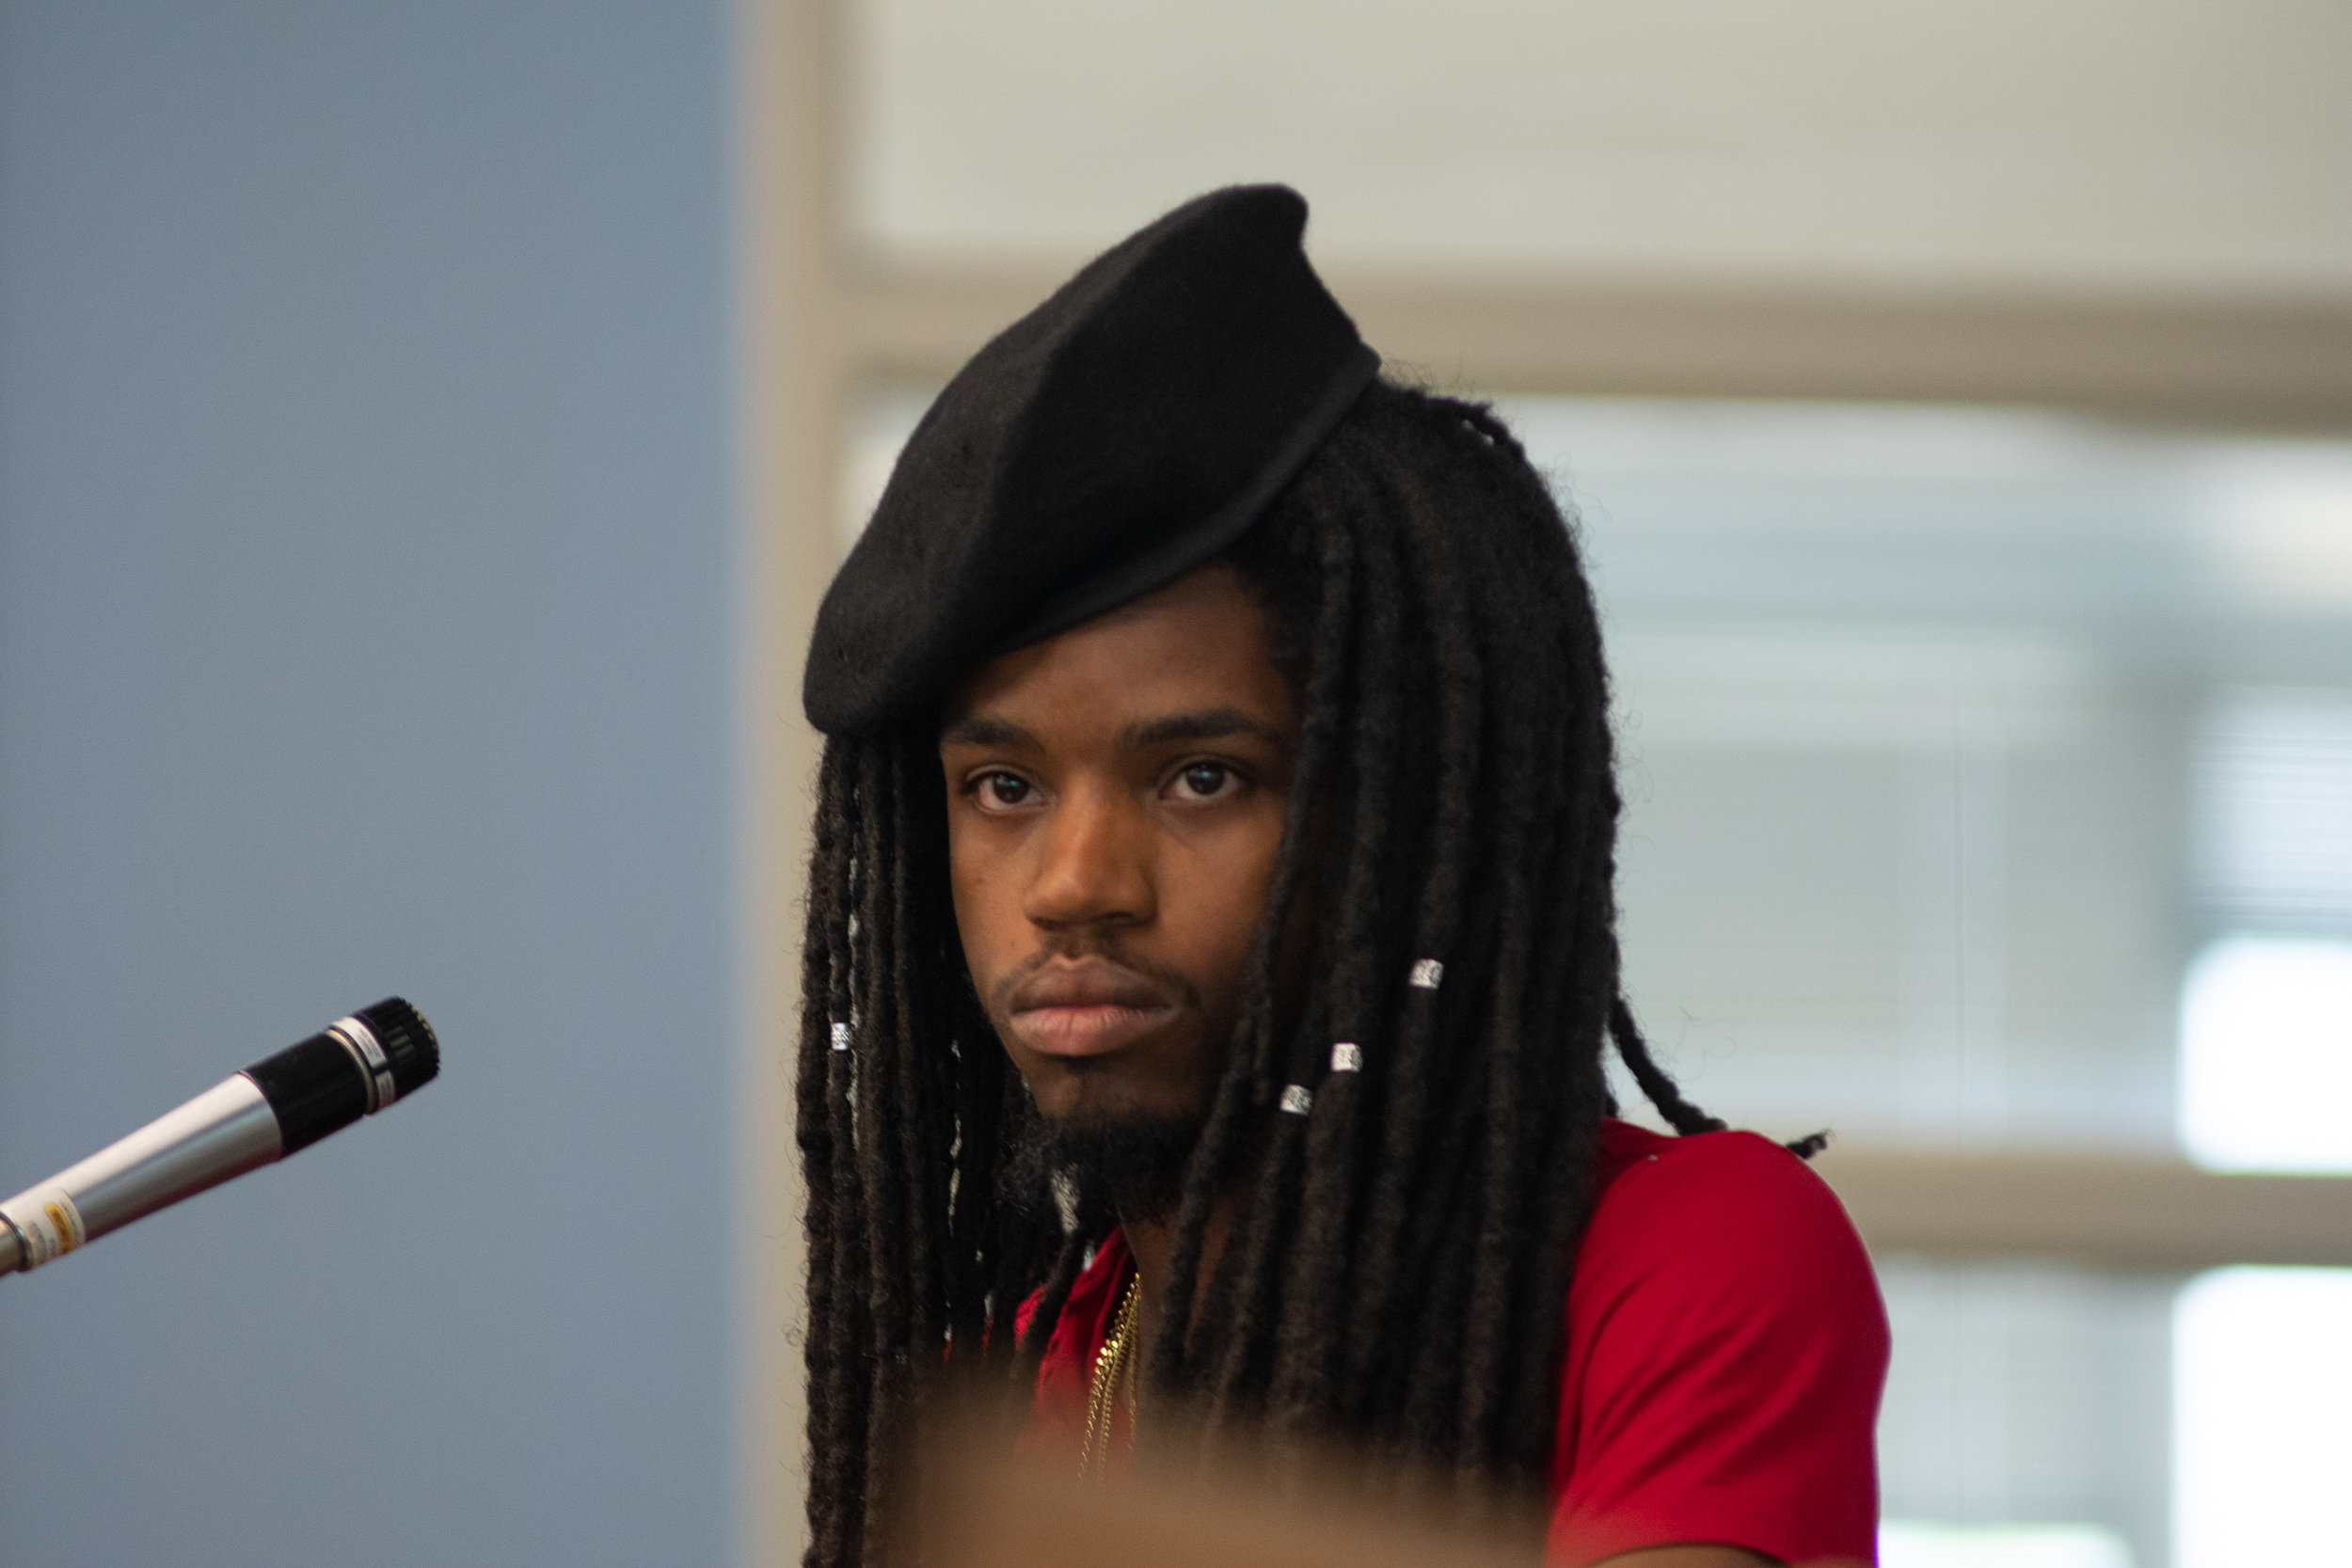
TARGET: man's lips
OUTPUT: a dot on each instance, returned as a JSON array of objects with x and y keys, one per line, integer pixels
[{"x": 1084, "y": 1007}]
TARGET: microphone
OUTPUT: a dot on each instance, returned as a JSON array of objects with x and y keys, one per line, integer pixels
[{"x": 353, "y": 1067}]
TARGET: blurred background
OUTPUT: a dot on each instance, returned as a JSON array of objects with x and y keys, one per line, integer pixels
[{"x": 426, "y": 430}]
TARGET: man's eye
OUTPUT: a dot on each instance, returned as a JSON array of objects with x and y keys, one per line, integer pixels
[
  {"x": 1204, "y": 781},
  {"x": 1006, "y": 789}
]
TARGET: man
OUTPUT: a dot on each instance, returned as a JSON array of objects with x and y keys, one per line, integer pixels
[{"x": 1218, "y": 740}]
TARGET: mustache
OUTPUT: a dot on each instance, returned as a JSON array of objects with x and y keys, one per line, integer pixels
[{"x": 1103, "y": 973}]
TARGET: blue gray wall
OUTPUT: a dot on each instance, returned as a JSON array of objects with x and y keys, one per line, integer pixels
[{"x": 366, "y": 533}]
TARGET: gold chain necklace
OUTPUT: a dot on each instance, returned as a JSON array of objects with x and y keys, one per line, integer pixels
[{"x": 1114, "y": 1381}]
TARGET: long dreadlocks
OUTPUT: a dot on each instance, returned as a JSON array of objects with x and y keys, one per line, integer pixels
[{"x": 1397, "y": 1271}]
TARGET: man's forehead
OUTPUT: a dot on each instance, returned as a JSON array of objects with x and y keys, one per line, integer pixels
[{"x": 1183, "y": 661}]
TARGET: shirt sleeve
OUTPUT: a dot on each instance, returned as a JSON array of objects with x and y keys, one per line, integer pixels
[{"x": 1726, "y": 1349}]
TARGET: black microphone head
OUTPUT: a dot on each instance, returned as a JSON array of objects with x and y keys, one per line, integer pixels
[{"x": 408, "y": 1044}]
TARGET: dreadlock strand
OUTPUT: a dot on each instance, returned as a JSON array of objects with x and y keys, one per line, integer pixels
[
  {"x": 1410, "y": 1078},
  {"x": 1683, "y": 1117},
  {"x": 847, "y": 1398},
  {"x": 1360, "y": 949},
  {"x": 1023, "y": 1249},
  {"x": 921, "y": 1068},
  {"x": 1431, "y": 1361},
  {"x": 820, "y": 957},
  {"x": 1539, "y": 939},
  {"x": 975, "y": 1244},
  {"x": 1568, "y": 1187},
  {"x": 1497, "y": 1164},
  {"x": 1247, "y": 1350}
]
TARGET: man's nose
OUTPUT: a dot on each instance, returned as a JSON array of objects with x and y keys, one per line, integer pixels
[{"x": 1093, "y": 863}]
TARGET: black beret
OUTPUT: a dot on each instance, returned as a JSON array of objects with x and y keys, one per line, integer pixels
[{"x": 1108, "y": 442}]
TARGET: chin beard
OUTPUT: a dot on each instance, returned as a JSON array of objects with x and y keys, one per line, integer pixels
[{"x": 1135, "y": 1165}]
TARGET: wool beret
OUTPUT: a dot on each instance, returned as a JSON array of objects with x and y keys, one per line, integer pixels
[{"x": 1115, "y": 438}]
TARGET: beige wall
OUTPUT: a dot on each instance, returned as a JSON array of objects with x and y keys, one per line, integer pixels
[{"x": 2097, "y": 144}]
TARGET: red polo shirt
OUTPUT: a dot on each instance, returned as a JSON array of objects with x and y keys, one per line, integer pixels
[{"x": 1725, "y": 1350}]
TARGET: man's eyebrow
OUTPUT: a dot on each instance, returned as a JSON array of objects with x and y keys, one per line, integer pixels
[
  {"x": 976, "y": 730},
  {"x": 1215, "y": 723}
]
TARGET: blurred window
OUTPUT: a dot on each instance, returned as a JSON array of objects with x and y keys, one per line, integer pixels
[
  {"x": 2026, "y": 1416},
  {"x": 2263, "y": 1379},
  {"x": 2274, "y": 807},
  {"x": 1905, "y": 1543},
  {"x": 2266, "y": 1008},
  {"x": 2266, "y": 1056},
  {"x": 1916, "y": 709}
]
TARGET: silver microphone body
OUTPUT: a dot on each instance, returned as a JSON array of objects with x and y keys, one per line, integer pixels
[
  {"x": 225, "y": 1131},
  {"x": 354, "y": 1066}
]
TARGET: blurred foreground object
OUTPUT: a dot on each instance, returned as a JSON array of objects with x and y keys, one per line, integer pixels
[
  {"x": 989, "y": 1504},
  {"x": 353, "y": 1067}
]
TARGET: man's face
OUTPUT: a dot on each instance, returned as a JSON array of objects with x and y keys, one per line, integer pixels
[{"x": 1115, "y": 801}]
